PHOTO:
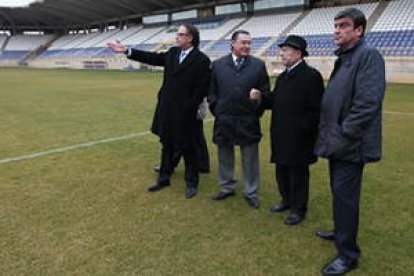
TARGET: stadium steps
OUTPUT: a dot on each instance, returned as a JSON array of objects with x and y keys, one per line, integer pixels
[
  {"x": 154, "y": 35},
  {"x": 266, "y": 46},
  {"x": 376, "y": 14},
  {"x": 211, "y": 43},
  {"x": 162, "y": 46},
  {"x": 39, "y": 50},
  {"x": 5, "y": 43},
  {"x": 104, "y": 38},
  {"x": 134, "y": 33},
  {"x": 290, "y": 27}
]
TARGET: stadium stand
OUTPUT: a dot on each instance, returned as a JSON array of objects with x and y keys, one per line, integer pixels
[
  {"x": 119, "y": 35},
  {"x": 162, "y": 38},
  {"x": 18, "y": 46},
  {"x": 267, "y": 27},
  {"x": 3, "y": 40},
  {"x": 94, "y": 44},
  {"x": 142, "y": 36},
  {"x": 225, "y": 27},
  {"x": 67, "y": 45},
  {"x": 390, "y": 29},
  {"x": 393, "y": 33},
  {"x": 320, "y": 21},
  {"x": 399, "y": 15},
  {"x": 218, "y": 45},
  {"x": 317, "y": 28}
]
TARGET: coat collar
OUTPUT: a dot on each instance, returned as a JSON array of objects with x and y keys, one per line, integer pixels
[
  {"x": 340, "y": 52},
  {"x": 345, "y": 57},
  {"x": 189, "y": 59},
  {"x": 230, "y": 62},
  {"x": 296, "y": 70}
]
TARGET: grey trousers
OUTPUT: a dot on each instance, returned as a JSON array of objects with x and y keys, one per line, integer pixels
[{"x": 250, "y": 169}]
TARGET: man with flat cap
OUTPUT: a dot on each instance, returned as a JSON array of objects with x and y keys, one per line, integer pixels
[{"x": 295, "y": 104}]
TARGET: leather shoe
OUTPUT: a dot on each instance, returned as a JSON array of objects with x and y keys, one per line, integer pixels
[
  {"x": 293, "y": 219},
  {"x": 279, "y": 207},
  {"x": 157, "y": 187},
  {"x": 253, "y": 202},
  {"x": 338, "y": 267},
  {"x": 326, "y": 235},
  {"x": 222, "y": 195},
  {"x": 190, "y": 192}
]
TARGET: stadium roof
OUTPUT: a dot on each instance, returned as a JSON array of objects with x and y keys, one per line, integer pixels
[{"x": 57, "y": 14}]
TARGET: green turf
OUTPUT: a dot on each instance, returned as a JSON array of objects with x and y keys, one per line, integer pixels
[{"x": 87, "y": 212}]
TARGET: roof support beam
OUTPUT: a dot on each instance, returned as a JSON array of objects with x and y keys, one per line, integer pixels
[{"x": 81, "y": 13}]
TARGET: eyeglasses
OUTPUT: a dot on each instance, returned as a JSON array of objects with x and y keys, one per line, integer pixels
[{"x": 182, "y": 34}]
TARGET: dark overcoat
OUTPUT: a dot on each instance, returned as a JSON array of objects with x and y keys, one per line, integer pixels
[
  {"x": 295, "y": 104},
  {"x": 350, "y": 125},
  {"x": 237, "y": 118},
  {"x": 183, "y": 88}
]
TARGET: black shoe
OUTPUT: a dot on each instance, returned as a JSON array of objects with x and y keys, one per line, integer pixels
[
  {"x": 326, "y": 235},
  {"x": 157, "y": 186},
  {"x": 253, "y": 202},
  {"x": 280, "y": 207},
  {"x": 190, "y": 192},
  {"x": 293, "y": 219},
  {"x": 204, "y": 171},
  {"x": 338, "y": 267},
  {"x": 222, "y": 195}
]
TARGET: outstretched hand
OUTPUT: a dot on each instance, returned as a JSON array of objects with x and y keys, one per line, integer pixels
[{"x": 117, "y": 46}]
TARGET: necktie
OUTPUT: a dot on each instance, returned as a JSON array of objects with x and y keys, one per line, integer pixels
[
  {"x": 238, "y": 62},
  {"x": 182, "y": 56}
]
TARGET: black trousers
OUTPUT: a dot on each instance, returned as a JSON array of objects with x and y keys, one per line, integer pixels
[
  {"x": 189, "y": 153},
  {"x": 293, "y": 184},
  {"x": 202, "y": 150},
  {"x": 345, "y": 178}
]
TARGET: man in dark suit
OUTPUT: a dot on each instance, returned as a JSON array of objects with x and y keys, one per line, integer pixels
[
  {"x": 295, "y": 105},
  {"x": 237, "y": 117},
  {"x": 185, "y": 84},
  {"x": 350, "y": 131}
]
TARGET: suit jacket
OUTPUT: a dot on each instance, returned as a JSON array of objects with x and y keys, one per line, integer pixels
[
  {"x": 183, "y": 88},
  {"x": 237, "y": 118},
  {"x": 295, "y": 105},
  {"x": 350, "y": 126}
]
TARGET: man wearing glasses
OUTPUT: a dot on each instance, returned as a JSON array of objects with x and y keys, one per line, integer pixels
[{"x": 185, "y": 84}]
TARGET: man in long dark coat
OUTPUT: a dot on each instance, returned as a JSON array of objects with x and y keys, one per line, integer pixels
[
  {"x": 237, "y": 117},
  {"x": 185, "y": 84},
  {"x": 350, "y": 131},
  {"x": 295, "y": 105}
]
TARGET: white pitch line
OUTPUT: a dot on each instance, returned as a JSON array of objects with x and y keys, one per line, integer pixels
[
  {"x": 399, "y": 113},
  {"x": 73, "y": 147},
  {"x": 113, "y": 139}
]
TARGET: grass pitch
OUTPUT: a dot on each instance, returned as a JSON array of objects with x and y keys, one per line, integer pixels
[{"x": 86, "y": 211}]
